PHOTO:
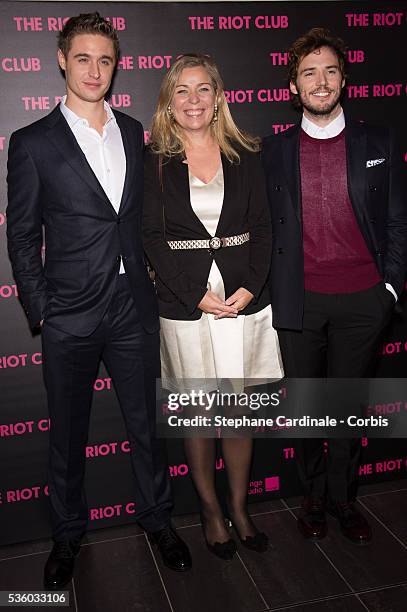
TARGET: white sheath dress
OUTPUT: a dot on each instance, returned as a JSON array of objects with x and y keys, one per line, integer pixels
[{"x": 243, "y": 350}]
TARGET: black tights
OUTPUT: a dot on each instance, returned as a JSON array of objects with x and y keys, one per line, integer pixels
[{"x": 237, "y": 454}]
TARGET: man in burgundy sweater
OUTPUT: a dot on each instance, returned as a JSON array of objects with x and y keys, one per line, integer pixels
[{"x": 337, "y": 192}]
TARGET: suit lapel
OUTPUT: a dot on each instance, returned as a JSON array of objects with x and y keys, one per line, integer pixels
[
  {"x": 61, "y": 136},
  {"x": 355, "y": 138},
  {"x": 291, "y": 163},
  {"x": 131, "y": 150}
]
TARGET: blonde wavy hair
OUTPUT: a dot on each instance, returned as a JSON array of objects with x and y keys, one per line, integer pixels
[{"x": 166, "y": 136}]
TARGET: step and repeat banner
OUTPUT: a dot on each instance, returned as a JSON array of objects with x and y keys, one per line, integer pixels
[{"x": 249, "y": 42}]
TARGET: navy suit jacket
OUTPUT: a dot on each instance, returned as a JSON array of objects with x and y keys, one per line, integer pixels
[
  {"x": 378, "y": 197},
  {"x": 52, "y": 186}
]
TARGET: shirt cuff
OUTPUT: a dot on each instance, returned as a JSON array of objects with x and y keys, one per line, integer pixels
[{"x": 390, "y": 288}]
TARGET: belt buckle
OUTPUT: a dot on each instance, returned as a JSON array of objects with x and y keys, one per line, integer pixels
[{"x": 215, "y": 243}]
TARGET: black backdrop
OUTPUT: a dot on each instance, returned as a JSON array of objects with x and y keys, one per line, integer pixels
[{"x": 249, "y": 41}]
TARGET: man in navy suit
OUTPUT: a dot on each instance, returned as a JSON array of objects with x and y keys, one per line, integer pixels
[
  {"x": 337, "y": 191},
  {"x": 79, "y": 174}
]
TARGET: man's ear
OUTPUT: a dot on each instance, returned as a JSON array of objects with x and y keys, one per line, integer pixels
[
  {"x": 61, "y": 60},
  {"x": 293, "y": 88}
]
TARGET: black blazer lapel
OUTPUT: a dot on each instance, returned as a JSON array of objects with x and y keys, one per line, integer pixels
[
  {"x": 356, "y": 145},
  {"x": 132, "y": 151},
  {"x": 290, "y": 143},
  {"x": 61, "y": 136}
]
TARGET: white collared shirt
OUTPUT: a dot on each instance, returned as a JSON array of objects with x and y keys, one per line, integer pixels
[
  {"x": 334, "y": 128},
  {"x": 105, "y": 154}
]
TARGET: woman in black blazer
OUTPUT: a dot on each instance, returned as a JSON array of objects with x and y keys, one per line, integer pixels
[{"x": 207, "y": 235}]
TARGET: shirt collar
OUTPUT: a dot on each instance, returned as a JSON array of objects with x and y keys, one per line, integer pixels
[
  {"x": 72, "y": 118},
  {"x": 328, "y": 131}
]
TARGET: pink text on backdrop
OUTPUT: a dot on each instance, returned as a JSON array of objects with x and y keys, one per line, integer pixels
[
  {"x": 55, "y": 24},
  {"x": 21, "y": 64},
  {"x": 363, "y": 20}
]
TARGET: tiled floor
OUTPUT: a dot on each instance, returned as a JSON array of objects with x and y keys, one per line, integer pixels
[{"x": 119, "y": 570}]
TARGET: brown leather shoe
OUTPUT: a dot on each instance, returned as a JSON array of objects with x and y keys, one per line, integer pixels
[
  {"x": 353, "y": 524},
  {"x": 312, "y": 521}
]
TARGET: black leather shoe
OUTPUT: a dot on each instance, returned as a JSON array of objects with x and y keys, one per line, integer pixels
[
  {"x": 312, "y": 520},
  {"x": 60, "y": 563},
  {"x": 353, "y": 524},
  {"x": 174, "y": 552}
]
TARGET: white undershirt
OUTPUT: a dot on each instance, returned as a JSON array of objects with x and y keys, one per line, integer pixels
[
  {"x": 335, "y": 127},
  {"x": 104, "y": 154}
]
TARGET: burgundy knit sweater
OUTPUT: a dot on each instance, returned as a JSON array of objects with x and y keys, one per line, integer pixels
[{"x": 336, "y": 258}]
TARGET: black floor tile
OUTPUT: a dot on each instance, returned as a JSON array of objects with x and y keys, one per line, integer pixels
[
  {"x": 119, "y": 575},
  {"x": 25, "y": 548},
  {"x": 348, "y": 603},
  {"x": 212, "y": 585},
  {"x": 390, "y": 508},
  {"x": 393, "y": 599},
  {"x": 293, "y": 502},
  {"x": 292, "y": 570},
  {"x": 381, "y": 562},
  {"x": 382, "y": 487},
  {"x": 112, "y": 533},
  {"x": 266, "y": 506},
  {"x": 186, "y": 520},
  {"x": 26, "y": 574}
]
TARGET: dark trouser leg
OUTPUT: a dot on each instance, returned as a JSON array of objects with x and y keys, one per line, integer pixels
[
  {"x": 305, "y": 356},
  {"x": 357, "y": 323},
  {"x": 340, "y": 338},
  {"x": 70, "y": 368},
  {"x": 132, "y": 359}
]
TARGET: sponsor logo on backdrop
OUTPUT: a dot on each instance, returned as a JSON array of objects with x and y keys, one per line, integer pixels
[
  {"x": 104, "y": 512},
  {"x": 381, "y": 467},
  {"x": 7, "y": 291},
  {"x": 107, "y": 448},
  {"x": 2, "y": 147},
  {"x": 20, "y": 361},
  {"x": 55, "y": 24},
  {"x": 238, "y": 22},
  {"x": 248, "y": 96},
  {"x": 20, "y": 64},
  {"x": 381, "y": 20},
  {"x": 280, "y": 58},
  {"x": 119, "y": 100},
  {"x": 379, "y": 90},
  {"x": 392, "y": 348}
]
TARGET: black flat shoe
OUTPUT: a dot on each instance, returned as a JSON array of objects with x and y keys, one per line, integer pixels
[
  {"x": 258, "y": 542},
  {"x": 223, "y": 550},
  {"x": 174, "y": 552}
]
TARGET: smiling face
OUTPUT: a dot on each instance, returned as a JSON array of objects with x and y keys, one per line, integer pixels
[
  {"x": 319, "y": 84},
  {"x": 194, "y": 99},
  {"x": 88, "y": 67}
]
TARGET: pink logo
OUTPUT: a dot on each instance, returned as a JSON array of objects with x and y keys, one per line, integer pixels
[{"x": 272, "y": 483}]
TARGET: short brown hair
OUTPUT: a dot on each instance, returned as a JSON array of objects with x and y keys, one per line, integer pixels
[
  {"x": 87, "y": 23},
  {"x": 306, "y": 44}
]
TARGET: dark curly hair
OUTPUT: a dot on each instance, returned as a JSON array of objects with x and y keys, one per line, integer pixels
[
  {"x": 306, "y": 44},
  {"x": 87, "y": 23}
]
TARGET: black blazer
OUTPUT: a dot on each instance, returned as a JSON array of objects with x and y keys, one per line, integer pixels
[
  {"x": 378, "y": 196},
  {"x": 51, "y": 184},
  {"x": 181, "y": 275}
]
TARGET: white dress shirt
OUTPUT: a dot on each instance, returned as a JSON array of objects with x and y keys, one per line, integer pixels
[
  {"x": 332, "y": 129},
  {"x": 104, "y": 153}
]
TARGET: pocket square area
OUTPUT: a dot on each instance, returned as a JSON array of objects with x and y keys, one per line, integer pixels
[{"x": 374, "y": 162}]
